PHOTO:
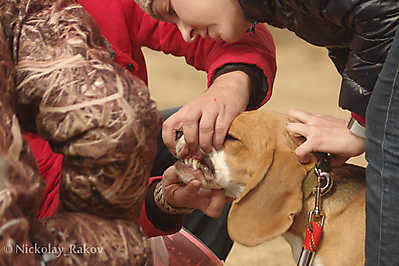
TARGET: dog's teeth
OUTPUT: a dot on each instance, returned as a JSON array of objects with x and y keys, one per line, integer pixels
[
  {"x": 190, "y": 161},
  {"x": 195, "y": 164},
  {"x": 185, "y": 161}
]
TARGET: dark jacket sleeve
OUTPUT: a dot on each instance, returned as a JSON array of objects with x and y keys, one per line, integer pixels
[
  {"x": 152, "y": 220},
  {"x": 358, "y": 34},
  {"x": 373, "y": 24}
]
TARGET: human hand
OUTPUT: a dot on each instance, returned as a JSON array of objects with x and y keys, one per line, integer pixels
[
  {"x": 323, "y": 133},
  {"x": 206, "y": 119},
  {"x": 209, "y": 201}
]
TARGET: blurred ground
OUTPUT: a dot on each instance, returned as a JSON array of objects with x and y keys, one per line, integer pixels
[{"x": 306, "y": 79}]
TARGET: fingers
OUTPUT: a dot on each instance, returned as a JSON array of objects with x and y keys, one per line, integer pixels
[
  {"x": 215, "y": 206},
  {"x": 177, "y": 193},
  {"x": 190, "y": 130},
  {"x": 211, "y": 201},
  {"x": 323, "y": 133},
  {"x": 298, "y": 129},
  {"x": 192, "y": 195},
  {"x": 222, "y": 125},
  {"x": 207, "y": 130},
  {"x": 186, "y": 120},
  {"x": 296, "y": 115},
  {"x": 185, "y": 196},
  {"x": 303, "y": 152},
  {"x": 310, "y": 138},
  {"x": 213, "y": 126},
  {"x": 169, "y": 129},
  {"x": 170, "y": 176},
  {"x": 302, "y": 130},
  {"x": 203, "y": 129}
]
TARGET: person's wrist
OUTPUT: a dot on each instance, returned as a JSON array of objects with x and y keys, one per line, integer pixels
[
  {"x": 159, "y": 219},
  {"x": 258, "y": 81},
  {"x": 237, "y": 80},
  {"x": 164, "y": 206},
  {"x": 233, "y": 89}
]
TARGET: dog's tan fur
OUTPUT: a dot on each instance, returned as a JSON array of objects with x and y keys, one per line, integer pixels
[
  {"x": 262, "y": 159},
  {"x": 272, "y": 202}
]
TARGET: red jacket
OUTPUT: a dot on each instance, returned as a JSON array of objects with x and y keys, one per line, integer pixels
[{"x": 127, "y": 28}]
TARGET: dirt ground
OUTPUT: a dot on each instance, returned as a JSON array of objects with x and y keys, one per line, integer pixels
[{"x": 306, "y": 79}]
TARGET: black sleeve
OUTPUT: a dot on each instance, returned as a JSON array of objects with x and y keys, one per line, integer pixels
[
  {"x": 158, "y": 218},
  {"x": 373, "y": 25}
]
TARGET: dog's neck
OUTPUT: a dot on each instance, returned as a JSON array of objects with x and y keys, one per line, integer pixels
[
  {"x": 310, "y": 182},
  {"x": 348, "y": 190},
  {"x": 296, "y": 244},
  {"x": 296, "y": 241}
]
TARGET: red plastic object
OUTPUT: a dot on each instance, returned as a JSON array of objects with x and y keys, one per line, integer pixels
[{"x": 183, "y": 249}]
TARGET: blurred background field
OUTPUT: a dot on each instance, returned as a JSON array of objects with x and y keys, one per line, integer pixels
[{"x": 306, "y": 79}]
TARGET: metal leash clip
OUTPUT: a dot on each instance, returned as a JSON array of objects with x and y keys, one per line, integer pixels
[
  {"x": 324, "y": 179},
  {"x": 316, "y": 216}
]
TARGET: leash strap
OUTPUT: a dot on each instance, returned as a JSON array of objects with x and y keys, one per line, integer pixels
[{"x": 312, "y": 237}]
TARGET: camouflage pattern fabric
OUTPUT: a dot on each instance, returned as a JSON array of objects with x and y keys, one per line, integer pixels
[
  {"x": 69, "y": 239},
  {"x": 68, "y": 89},
  {"x": 89, "y": 108},
  {"x": 21, "y": 186}
]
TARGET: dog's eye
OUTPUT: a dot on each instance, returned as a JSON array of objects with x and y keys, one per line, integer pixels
[{"x": 231, "y": 137}]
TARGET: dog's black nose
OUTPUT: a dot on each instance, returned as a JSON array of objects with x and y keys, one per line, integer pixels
[{"x": 179, "y": 133}]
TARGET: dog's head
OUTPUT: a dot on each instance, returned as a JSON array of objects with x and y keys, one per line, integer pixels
[
  {"x": 258, "y": 167},
  {"x": 273, "y": 194}
]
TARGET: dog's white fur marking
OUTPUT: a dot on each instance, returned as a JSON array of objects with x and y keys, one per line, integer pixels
[
  {"x": 222, "y": 173},
  {"x": 296, "y": 244},
  {"x": 316, "y": 261}
]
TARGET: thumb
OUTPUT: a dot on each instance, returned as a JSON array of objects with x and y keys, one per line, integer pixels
[
  {"x": 185, "y": 195},
  {"x": 213, "y": 207},
  {"x": 303, "y": 153}
]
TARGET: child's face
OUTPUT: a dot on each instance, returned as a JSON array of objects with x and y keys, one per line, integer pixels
[{"x": 208, "y": 18}]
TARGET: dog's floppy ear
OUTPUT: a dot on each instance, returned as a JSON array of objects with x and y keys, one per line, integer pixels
[{"x": 270, "y": 201}]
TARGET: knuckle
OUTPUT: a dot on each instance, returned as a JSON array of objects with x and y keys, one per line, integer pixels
[
  {"x": 206, "y": 128},
  {"x": 167, "y": 125},
  {"x": 313, "y": 120},
  {"x": 206, "y": 144},
  {"x": 189, "y": 122},
  {"x": 316, "y": 142},
  {"x": 190, "y": 141},
  {"x": 220, "y": 130}
]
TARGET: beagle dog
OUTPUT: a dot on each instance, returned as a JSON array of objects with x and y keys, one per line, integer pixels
[{"x": 258, "y": 167}]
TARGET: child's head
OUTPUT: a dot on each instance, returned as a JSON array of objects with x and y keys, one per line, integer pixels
[{"x": 213, "y": 18}]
